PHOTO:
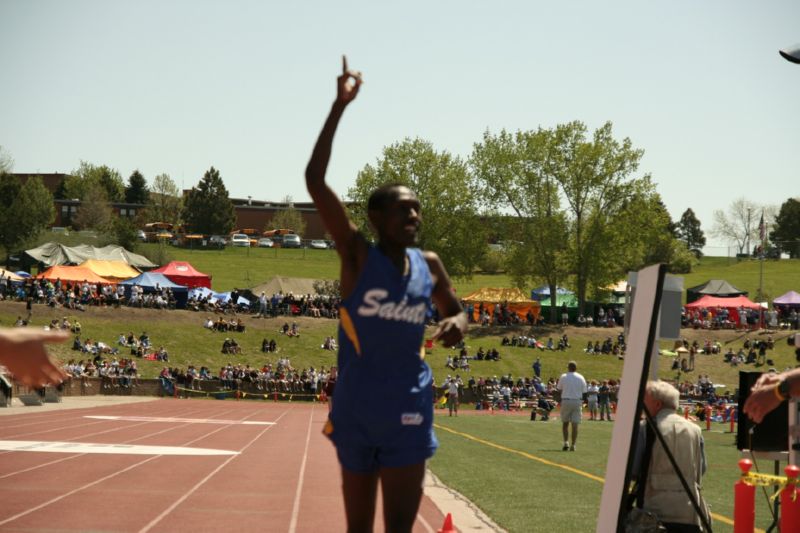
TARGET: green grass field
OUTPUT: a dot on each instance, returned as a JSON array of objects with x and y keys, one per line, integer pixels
[{"x": 243, "y": 268}]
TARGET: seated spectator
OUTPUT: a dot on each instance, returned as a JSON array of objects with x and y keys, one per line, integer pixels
[
  {"x": 589, "y": 348},
  {"x": 161, "y": 355},
  {"x": 209, "y": 323}
]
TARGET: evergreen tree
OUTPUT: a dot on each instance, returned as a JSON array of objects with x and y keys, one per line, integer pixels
[
  {"x": 207, "y": 208},
  {"x": 786, "y": 231},
  {"x": 136, "y": 191},
  {"x": 689, "y": 231}
]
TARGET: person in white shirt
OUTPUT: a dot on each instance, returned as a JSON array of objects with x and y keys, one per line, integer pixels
[
  {"x": 572, "y": 387},
  {"x": 591, "y": 399},
  {"x": 452, "y": 395}
]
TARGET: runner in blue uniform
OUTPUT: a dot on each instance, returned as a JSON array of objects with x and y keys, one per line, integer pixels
[{"x": 382, "y": 416}]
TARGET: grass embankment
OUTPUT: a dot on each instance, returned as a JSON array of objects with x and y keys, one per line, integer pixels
[{"x": 187, "y": 342}]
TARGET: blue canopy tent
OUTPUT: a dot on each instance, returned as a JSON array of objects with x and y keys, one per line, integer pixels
[
  {"x": 543, "y": 293},
  {"x": 225, "y": 297},
  {"x": 150, "y": 282}
]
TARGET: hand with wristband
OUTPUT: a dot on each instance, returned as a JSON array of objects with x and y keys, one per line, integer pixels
[{"x": 769, "y": 392}]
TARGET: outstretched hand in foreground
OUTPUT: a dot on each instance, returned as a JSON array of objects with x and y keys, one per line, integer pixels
[{"x": 22, "y": 351}]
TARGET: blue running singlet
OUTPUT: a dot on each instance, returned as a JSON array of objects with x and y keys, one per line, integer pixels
[{"x": 383, "y": 402}]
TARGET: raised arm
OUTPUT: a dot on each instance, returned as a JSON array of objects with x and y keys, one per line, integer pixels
[
  {"x": 453, "y": 321},
  {"x": 330, "y": 208}
]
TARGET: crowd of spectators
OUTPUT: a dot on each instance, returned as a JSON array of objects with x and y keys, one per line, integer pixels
[
  {"x": 280, "y": 377},
  {"x": 113, "y": 373},
  {"x": 779, "y": 317},
  {"x": 220, "y": 324},
  {"x": 311, "y": 305}
]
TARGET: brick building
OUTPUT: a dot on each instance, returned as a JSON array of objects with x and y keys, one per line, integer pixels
[{"x": 250, "y": 213}]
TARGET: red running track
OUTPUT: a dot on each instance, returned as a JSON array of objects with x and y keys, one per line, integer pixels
[{"x": 284, "y": 478}]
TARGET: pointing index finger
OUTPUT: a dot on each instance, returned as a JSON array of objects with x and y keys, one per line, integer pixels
[{"x": 344, "y": 64}]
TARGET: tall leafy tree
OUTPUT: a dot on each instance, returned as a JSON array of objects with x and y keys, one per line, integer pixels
[
  {"x": 87, "y": 175},
  {"x": 289, "y": 218},
  {"x": 448, "y": 200},
  {"x": 25, "y": 210},
  {"x": 596, "y": 176},
  {"x": 207, "y": 208},
  {"x": 785, "y": 234},
  {"x": 95, "y": 211},
  {"x": 136, "y": 191},
  {"x": 513, "y": 174},
  {"x": 165, "y": 200},
  {"x": 689, "y": 230}
]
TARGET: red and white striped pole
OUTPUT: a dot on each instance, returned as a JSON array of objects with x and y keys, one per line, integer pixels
[{"x": 744, "y": 501}]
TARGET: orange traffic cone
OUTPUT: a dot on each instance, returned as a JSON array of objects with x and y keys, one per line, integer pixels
[{"x": 447, "y": 527}]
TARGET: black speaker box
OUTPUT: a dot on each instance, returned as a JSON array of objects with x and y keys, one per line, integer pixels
[{"x": 772, "y": 434}]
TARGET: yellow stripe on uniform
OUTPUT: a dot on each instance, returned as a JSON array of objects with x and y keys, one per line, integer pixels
[
  {"x": 723, "y": 519},
  {"x": 349, "y": 329}
]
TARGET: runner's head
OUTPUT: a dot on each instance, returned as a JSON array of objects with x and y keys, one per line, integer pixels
[{"x": 394, "y": 212}]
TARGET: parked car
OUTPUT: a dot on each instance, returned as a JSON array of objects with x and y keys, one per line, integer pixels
[
  {"x": 265, "y": 242},
  {"x": 140, "y": 235},
  {"x": 292, "y": 241},
  {"x": 318, "y": 244},
  {"x": 217, "y": 240},
  {"x": 240, "y": 240}
]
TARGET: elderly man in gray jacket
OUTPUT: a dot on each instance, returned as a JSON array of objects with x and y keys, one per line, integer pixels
[{"x": 663, "y": 493}]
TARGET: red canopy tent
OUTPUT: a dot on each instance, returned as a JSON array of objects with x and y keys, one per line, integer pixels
[
  {"x": 731, "y": 304},
  {"x": 183, "y": 273}
]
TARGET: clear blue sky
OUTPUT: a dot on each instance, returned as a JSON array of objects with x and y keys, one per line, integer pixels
[{"x": 177, "y": 86}]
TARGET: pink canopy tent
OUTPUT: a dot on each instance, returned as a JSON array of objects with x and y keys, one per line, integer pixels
[
  {"x": 714, "y": 301},
  {"x": 732, "y": 304},
  {"x": 183, "y": 273}
]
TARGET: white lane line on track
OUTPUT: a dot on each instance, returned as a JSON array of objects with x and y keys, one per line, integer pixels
[
  {"x": 112, "y": 430},
  {"x": 42, "y": 465},
  {"x": 181, "y": 420},
  {"x": 104, "y": 478},
  {"x": 104, "y": 448},
  {"x": 202, "y": 482},
  {"x": 72, "y": 422},
  {"x": 296, "y": 505},
  {"x": 424, "y": 523}
]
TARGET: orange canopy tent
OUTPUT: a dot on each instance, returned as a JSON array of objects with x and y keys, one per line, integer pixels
[
  {"x": 515, "y": 300},
  {"x": 113, "y": 271},
  {"x": 72, "y": 273}
]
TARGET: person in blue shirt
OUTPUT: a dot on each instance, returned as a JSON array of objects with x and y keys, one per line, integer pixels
[{"x": 381, "y": 422}]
